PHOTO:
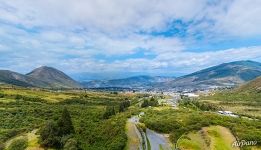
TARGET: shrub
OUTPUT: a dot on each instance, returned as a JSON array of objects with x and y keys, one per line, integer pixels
[
  {"x": 109, "y": 112},
  {"x": 151, "y": 102},
  {"x": 49, "y": 135},
  {"x": 145, "y": 103},
  {"x": 2, "y": 146},
  {"x": 71, "y": 144},
  {"x": 123, "y": 105},
  {"x": 19, "y": 144},
  {"x": 1, "y": 95}
]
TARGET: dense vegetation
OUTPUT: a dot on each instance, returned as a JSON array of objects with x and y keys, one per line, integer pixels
[
  {"x": 149, "y": 102},
  {"x": 57, "y": 134},
  {"x": 96, "y": 120},
  {"x": 23, "y": 110},
  {"x": 182, "y": 121},
  {"x": 18, "y": 144},
  {"x": 197, "y": 105}
]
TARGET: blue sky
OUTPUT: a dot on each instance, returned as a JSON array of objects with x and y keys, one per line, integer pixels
[{"x": 167, "y": 37}]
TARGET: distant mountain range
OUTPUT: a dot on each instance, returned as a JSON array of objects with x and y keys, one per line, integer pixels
[
  {"x": 131, "y": 82},
  {"x": 224, "y": 75},
  {"x": 43, "y": 77}
]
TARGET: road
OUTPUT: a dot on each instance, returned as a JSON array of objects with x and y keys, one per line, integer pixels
[
  {"x": 157, "y": 140},
  {"x": 136, "y": 138}
]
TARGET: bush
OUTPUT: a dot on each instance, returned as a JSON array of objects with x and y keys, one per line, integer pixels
[
  {"x": 123, "y": 105},
  {"x": 110, "y": 111},
  {"x": 19, "y": 144},
  {"x": 71, "y": 144},
  {"x": 145, "y": 103},
  {"x": 49, "y": 135},
  {"x": 151, "y": 102},
  {"x": 11, "y": 134},
  {"x": 2, "y": 146},
  {"x": 1, "y": 95}
]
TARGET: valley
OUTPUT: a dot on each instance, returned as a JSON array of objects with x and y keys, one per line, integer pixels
[
  {"x": 25, "y": 111},
  {"x": 64, "y": 115},
  {"x": 130, "y": 75}
]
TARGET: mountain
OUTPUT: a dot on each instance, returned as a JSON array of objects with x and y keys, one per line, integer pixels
[
  {"x": 251, "y": 86},
  {"x": 43, "y": 77},
  {"x": 227, "y": 74},
  {"x": 131, "y": 82},
  {"x": 13, "y": 78},
  {"x": 53, "y": 77}
]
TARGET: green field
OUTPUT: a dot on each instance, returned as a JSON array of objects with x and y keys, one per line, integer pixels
[
  {"x": 99, "y": 120},
  {"x": 24, "y": 110},
  {"x": 213, "y": 137}
]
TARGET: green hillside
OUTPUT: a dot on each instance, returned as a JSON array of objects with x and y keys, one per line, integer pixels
[{"x": 244, "y": 100}]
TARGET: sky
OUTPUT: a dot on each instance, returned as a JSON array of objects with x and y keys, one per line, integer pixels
[{"x": 112, "y": 37}]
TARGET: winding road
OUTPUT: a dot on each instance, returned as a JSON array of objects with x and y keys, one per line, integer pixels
[{"x": 136, "y": 138}]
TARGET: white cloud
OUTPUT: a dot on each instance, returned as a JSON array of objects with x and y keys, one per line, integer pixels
[
  {"x": 241, "y": 18},
  {"x": 69, "y": 34},
  {"x": 114, "y": 15}
]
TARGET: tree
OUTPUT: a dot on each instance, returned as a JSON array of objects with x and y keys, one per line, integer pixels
[
  {"x": 153, "y": 102},
  {"x": 126, "y": 103},
  {"x": 49, "y": 135},
  {"x": 109, "y": 112},
  {"x": 145, "y": 103},
  {"x": 121, "y": 107},
  {"x": 65, "y": 123},
  {"x": 52, "y": 133}
]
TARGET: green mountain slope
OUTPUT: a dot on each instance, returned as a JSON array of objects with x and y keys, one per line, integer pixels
[
  {"x": 13, "y": 78},
  {"x": 53, "y": 77},
  {"x": 227, "y": 74},
  {"x": 43, "y": 77}
]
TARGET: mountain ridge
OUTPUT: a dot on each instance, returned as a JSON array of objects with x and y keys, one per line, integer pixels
[
  {"x": 226, "y": 74},
  {"x": 140, "y": 81},
  {"x": 42, "y": 77}
]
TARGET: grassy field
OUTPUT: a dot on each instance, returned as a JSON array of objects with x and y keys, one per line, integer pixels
[
  {"x": 238, "y": 107},
  {"x": 24, "y": 111},
  {"x": 244, "y": 100},
  {"x": 213, "y": 137}
]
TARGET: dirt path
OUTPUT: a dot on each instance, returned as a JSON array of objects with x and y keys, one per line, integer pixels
[
  {"x": 32, "y": 140},
  {"x": 134, "y": 136}
]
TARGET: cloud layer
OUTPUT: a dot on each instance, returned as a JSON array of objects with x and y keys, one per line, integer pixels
[{"x": 138, "y": 36}]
